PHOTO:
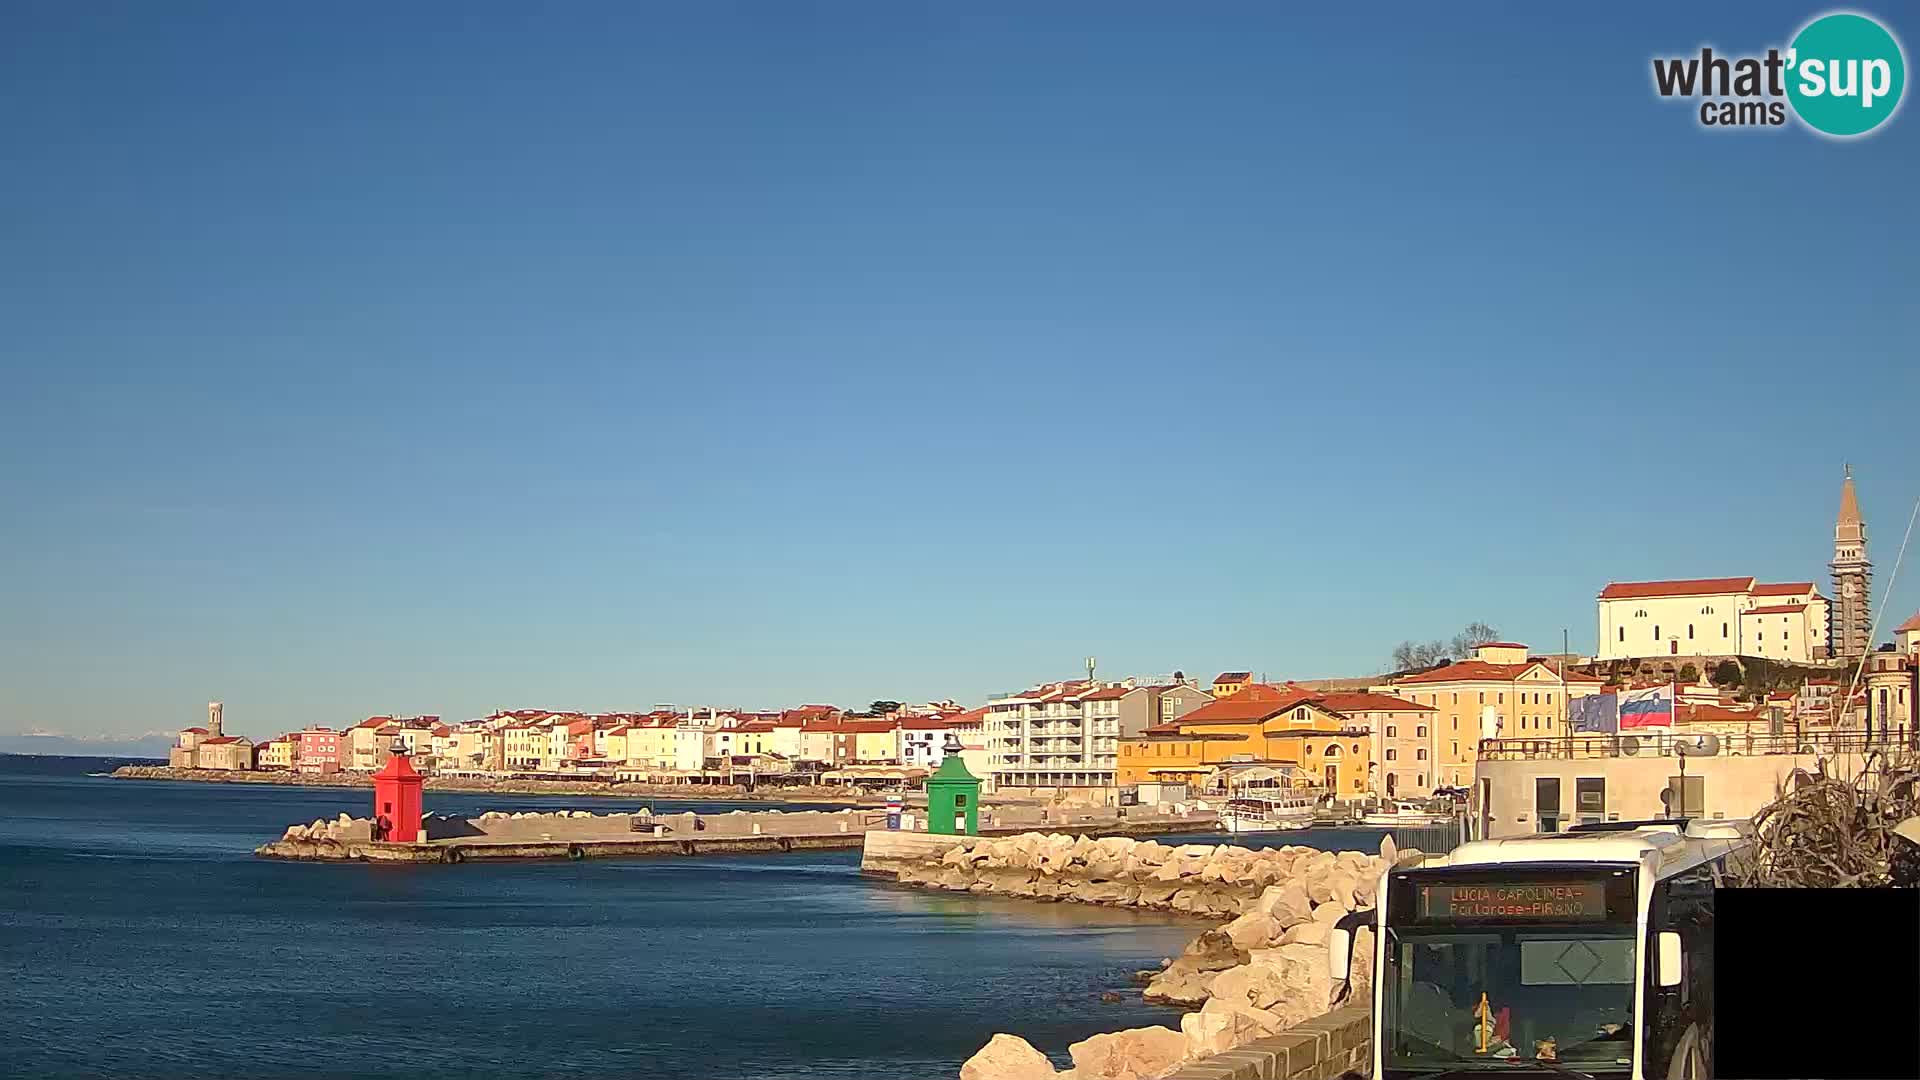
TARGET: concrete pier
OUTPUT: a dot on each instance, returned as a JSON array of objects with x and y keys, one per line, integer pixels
[{"x": 578, "y": 834}]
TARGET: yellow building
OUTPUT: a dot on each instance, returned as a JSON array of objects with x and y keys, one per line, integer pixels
[
  {"x": 1262, "y": 725},
  {"x": 277, "y": 754},
  {"x": 1501, "y": 691},
  {"x": 650, "y": 743},
  {"x": 615, "y": 746}
]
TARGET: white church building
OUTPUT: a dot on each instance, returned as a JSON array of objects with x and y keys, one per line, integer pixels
[{"x": 1713, "y": 617}]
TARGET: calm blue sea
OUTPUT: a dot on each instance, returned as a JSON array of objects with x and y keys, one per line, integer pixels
[{"x": 139, "y": 937}]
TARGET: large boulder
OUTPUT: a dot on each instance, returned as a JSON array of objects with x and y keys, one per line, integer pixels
[
  {"x": 1213, "y": 951},
  {"x": 1288, "y": 904},
  {"x": 1220, "y": 1026},
  {"x": 1256, "y": 985},
  {"x": 1302, "y": 969},
  {"x": 1254, "y": 930},
  {"x": 1134, "y": 1054},
  {"x": 1007, "y": 1057},
  {"x": 1178, "y": 985}
]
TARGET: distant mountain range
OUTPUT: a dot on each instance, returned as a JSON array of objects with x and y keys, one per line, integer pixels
[{"x": 151, "y": 746}]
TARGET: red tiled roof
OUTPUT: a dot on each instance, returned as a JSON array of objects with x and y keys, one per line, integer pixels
[
  {"x": 926, "y": 723},
  {"x": 1705, "y": 713},
  {"x": 865, "y": 727},
  {"x": 194, "y": 730},
  {"x": 1909, "y": 625},
  {"x": 1500, "y": 645},
  {"x": 1776, "y": 609},
  {"x": 1367, "y": 701},
  {"x": 222, "y": 740},
  {"x": 374, "y": 721},
  {"x": 1246, "y": 706},
  {"x": 970, "y": 717},
  {"x": 1784, "y": 588},
  {"x": 756, "y": 726},
  {"x": 1640, "y": 590},
  {"x": 1111, "y": 693}
]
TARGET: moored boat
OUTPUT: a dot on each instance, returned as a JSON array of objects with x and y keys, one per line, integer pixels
[{"x": 1269, "y": 812}]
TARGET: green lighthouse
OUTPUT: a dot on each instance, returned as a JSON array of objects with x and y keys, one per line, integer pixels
[{"x": 953, "y": 795}]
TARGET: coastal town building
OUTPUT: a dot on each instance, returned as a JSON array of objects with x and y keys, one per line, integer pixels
[
  {"x": 1735, "y": 616},
  {"x": 1064, "y": 738},
  {"x": 1285, "y": 729},
  {"x": 1852, "y": 626},
  {"x": 276, "y": 753},
  {"x": 1401, "y": 739},
  {"x": 317, "y": 750},
  {"x": 210, "y": 747},
  {"x": 1501, "y": 691},
  {"x": 1229, "y": 683}
]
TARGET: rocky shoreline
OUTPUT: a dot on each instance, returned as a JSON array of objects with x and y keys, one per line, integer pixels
[
  {"x": 1263, "y": 971},
  {"x": 687, "y": 792}
]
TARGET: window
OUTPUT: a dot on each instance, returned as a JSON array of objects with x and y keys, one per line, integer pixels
[
  {"x": 1590, "y": 798},
  {"x": 1420, "y": 732},
  {"x": 1456, "y": 749},
  {"x": 1689, "y": 631},
  {"x": 1549, "y": 699},
  {"x": 1546, "y": 803},
  {"x": 1500, "y": 699},
  {"x": 1623, "y": 634},
  {"x": 1392, "y": 754},
  {"x": 1723, "y": 630},
  {"x": 1420, "y": 755},
  {"x": 1456, "y": 699},
  {"x": 1656, "y": 631},
  {"x": 1390, "y": 731}
]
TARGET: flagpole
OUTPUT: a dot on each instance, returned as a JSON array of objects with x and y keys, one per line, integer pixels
[{"x": 1566, "y": 713}]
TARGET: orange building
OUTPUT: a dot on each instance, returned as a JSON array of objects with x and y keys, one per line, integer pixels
[{"x": 1260, "y": 725}]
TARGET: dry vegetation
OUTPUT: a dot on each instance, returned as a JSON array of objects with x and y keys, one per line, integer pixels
[{"x": 1833, "y": 828}]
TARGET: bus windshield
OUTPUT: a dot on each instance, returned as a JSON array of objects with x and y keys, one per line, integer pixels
[{"x": 1486, "y": 968}]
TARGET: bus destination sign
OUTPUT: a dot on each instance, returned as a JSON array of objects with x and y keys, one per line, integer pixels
[{"x": 1545, "y": 901}]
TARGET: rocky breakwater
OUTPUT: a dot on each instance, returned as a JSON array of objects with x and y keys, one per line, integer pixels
[{"x": 1260, "y": 973}]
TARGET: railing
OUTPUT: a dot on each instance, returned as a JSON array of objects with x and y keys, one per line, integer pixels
[{"x": 1667, "y": 744}]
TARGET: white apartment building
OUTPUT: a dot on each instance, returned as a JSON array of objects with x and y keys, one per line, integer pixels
[
  {"x": 1060, "y": 735},
  {"x": 1712, "y": 617}
]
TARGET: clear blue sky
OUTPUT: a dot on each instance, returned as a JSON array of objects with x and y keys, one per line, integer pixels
[{"x": 461, "y": 356}]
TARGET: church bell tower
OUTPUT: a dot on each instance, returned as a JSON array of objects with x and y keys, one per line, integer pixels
[{"x": 1852, "y": 620}]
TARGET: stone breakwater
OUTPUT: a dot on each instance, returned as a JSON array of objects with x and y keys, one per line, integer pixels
[
  {"x": 573, "y": 834},
  {"x": 1262, "y": 972},
  {"x": 504, "y": 786}
]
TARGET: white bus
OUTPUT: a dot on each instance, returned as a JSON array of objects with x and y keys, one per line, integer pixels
[{"x": 1587, "y": 953}]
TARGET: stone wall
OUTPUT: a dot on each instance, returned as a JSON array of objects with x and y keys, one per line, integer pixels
[
  {"x": 1323, "y": 1048},
  {"x": 1260, "y": 981}
]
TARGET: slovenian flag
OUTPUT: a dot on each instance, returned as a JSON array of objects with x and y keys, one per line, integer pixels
[{"x": 1647, "y": 708}]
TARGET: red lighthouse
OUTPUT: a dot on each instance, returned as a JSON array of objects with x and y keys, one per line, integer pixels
[{"x": 396, "y": 799}]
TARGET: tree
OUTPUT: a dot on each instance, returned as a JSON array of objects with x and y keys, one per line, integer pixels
[
  {"x": 1472, "y": 637},
  {"x": 1689, "y": 673},
  {"x": 1409, "y": 655},
  {"x": 883, "y": 707},
  {"x": 1726, "y": 673}
]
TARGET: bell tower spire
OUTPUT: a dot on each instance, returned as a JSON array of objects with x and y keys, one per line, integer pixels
[{"x": 1852, "y": 620}]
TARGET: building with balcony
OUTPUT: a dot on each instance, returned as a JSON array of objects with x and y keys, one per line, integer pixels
[{"x": 1064, "y": 738}]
